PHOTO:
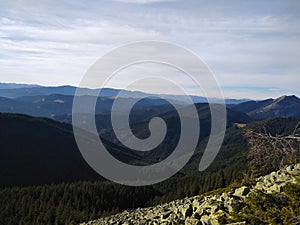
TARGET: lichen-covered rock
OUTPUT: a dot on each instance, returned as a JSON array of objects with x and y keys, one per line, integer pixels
[
  {"x": 187, "y": 210},
  {"x": 242, "y": 191},
  {"x": 203, "y": 210},
  {"x": 192, "y": 221}
]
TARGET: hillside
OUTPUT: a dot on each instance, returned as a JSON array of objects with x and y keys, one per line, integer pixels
[
  {"x": 140, "y": 129},
  {"x": 270, "y": 108},
  {"x": 57, "y": 105},
  {"x": 272, "y": 199},
  {"x": 42, "y": 151},
  {"x": 39, "y": 151}
]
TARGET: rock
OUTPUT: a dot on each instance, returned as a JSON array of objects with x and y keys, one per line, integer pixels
[
  {"x": 242, "y": 191},
  {"x": 165, "y": 215},
  {"x": 275, "y": 188},
  {"x": 214, "y": 208},
  {"x": 187, "y": 210},
  {"x": 224, "y": 197},
  {"x": 192, "y": 221},
  {"x": 206, "y": 210},
  {"x": 205, "y": 219},
  {"x": 197, "y": 216},
  {"x": 196, "y": 204},
  {"x": 199, "y": 212},
  {"x": 214, "y": 221}
]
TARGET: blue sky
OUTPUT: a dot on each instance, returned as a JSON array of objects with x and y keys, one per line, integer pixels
[{"x": 253, "y": 47}]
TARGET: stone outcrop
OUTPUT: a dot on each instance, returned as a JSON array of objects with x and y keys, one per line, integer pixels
[{"x": 203, "y": 210}]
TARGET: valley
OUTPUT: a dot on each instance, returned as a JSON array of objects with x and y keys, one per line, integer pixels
[{"x": 39, "y": 156}]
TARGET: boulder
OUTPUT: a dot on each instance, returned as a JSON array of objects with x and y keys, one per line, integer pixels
[
  {"x": 187, "y": 210},
  {"x": 205, "y": 219},
  {"x": 242, "y": 191}
]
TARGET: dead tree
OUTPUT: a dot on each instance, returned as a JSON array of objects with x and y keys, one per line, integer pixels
[{"x": 268, "y": 152}]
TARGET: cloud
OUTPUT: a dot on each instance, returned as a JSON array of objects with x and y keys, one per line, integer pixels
[
  {"x": 143, "y": 1},
  {"x": 255, "y": 43}
]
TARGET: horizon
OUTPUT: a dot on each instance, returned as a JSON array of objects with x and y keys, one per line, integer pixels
[{"x": 69, "y": 85}]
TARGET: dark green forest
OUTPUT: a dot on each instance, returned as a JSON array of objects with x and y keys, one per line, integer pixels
[
  {"x": 83, "y": 201},
  {"x": 78, "y": 194}
]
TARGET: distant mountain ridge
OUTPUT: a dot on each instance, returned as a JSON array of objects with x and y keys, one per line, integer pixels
[
  {"x": 57, "y": 105},
  {"x": 57, "y": 101},
  {"x": 15, "y": 85},
  {"x": 270, "y": 108},
  {"x": 21, "y": 90}
]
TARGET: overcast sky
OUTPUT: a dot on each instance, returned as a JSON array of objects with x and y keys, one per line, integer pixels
[{"x": 253, "y": 47}]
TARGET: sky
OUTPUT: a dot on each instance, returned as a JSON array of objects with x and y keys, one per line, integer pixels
[{"x": 252, "y": 47}]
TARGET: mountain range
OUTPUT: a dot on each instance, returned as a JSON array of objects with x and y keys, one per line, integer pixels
[
  {"x": 56, "y": 102},
  {"x": 57, "y": 105},
  {"x": 44, "y": 178},
  {"x": 271, "y": 108},
  {"x": 42, "y": 171},
  {"x": 9, "y": 90}
]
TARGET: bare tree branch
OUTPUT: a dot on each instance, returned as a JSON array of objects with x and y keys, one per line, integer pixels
[{"x": 268, "y": 152}]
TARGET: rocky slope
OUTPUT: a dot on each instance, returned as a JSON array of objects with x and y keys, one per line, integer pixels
[{"x": 218, "y": 208}]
